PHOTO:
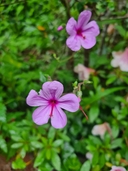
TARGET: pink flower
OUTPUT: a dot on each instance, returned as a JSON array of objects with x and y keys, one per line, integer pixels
[
  {"x": 50, "y": 103},
  {"x": 120, "y": 60},
  {"x": 101, "y": 129},
  {"x": 82, "y": 33},
  {"x": 117, "y": 168},
  {"x": 60, "y": 28},
  {"x": 83, "y": 72}
]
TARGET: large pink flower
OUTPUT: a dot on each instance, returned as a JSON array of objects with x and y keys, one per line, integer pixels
[
  {"x": 120, "y": 60},
  {"x": 50, "y": 103},
  {"x": 117, "y": 168},
  {"x": 82, "y": 33}
]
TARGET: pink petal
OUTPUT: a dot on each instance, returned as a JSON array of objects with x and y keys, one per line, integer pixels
[
  {"x": 69, "y": 102},
  {"x": 53, "y": 89},
  {"x": 88, "y": 42},
  {"x": 83, "y": 19},
  {"x": 124, "y": 66},
  {"x": 60, "y": 28},
  {"x": 73, "y": 42},
  {"x": 41, "y": 115},
  {"x": 91, "y": 28},
  {"x": 33, "y": 99},
  {"x": 59, "y": 119},
  {"x": 115, "y": 62},
  {"x": 117, "y": 168},
  {"x": 71, "y": 26}
]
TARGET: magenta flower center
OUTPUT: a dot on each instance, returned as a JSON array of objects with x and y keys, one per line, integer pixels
[
  {"x": 52, "y": 104},
  {"x": 79, "y": 33}
]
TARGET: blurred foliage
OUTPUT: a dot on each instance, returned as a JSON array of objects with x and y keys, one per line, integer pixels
[{"x": 31, "y": 50}]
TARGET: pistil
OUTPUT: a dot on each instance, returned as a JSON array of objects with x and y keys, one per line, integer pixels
[{"x": 52, "y": 103}]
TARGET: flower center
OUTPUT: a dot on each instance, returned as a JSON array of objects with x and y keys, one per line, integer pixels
[
  {"x": 52, "y": 104},
  {"x": 79, "y": 33}
]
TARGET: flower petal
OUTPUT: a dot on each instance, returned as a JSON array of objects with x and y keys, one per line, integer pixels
[
  {"x": 33, "y": 99},
  {"x": 53, "y": 89},
  {"x": 115, "y": 62},
  {"x": 71, "y": 26},
  {"x": 41, "y": 115},
  {"x": 83, "y": 19},
  {"x": 59, "y": 118},
  {"x": 91, "y": 28},
  {"x": 69, "y": 102},
  {"x": 123, "y": 66},
  {"x": 73, "y": 42},
  {"x": 88, "y": 42},
  {"x": 115, "y": 168}
]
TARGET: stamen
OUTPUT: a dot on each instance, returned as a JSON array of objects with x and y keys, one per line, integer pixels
[{"x": 83, "y": 112}]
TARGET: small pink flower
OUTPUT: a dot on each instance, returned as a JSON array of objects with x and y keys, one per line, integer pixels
[
  {"x": 101, "y": 129},
  {"x": 60, "y": 28},
  {"x": 82, "y": 33},
  {"x": 50, "y": 104},
  {"x": 117, "y": 168},
  {"x": 120, "y": 60},
  {"x": 83, "y": 72}
]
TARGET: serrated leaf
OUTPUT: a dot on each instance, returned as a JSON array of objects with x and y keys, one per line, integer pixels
[{"x": 86, "y": 166}]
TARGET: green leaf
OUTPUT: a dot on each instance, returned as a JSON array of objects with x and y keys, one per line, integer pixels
[
  {"x": 51, "y": 133},
  {"x": 36, "y": 144},
  {"x": 116, "y": 143},
  {"x": 102, "y": 160},
  {"x": 101, "y": 94},
  {"x": 44, "y": 140},
  {"x": 22, "y": 153},
  {"x": 121, "y": 30},
  {"x": 3, "y": 144},
  {"x": 57, "y": 143},
  {"x": 16, "y": 138},
  {"x": 18, "y": 164},
  {"x": 16, "y": 145},
  {"x": 48, "y": 152},
  {"x": 115, "y": 131},
  {"x": 86, "y": 166},
  {"x": 2, "y": 113},
  {"x": 19, "y": 9},
  {"x": 111, "y": 79},
  {"x": 39, "y": 159},
  {"x": 95, "y": 158},
  {"x": 93, "y": 113},
  {"x": 56, "y": 161},
  {"x": 64, "y": 137}
]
